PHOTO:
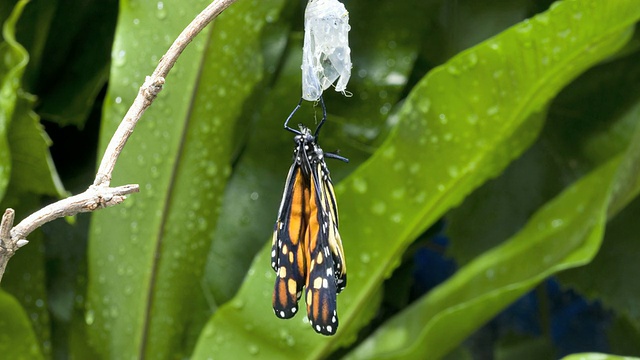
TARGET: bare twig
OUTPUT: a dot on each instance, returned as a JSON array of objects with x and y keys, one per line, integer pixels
[
  {"x": 96, "y": 197},
  {"x": 152, "y": 86},
  {"x": 100, "y": 195}
]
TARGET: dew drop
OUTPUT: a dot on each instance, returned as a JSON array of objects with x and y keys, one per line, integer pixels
[
  {"x": 524, "y": 27},
  {"x": 161, "y": 12},
  {"x": 89, "y": 317},
  {"x": 396, "y": 218},
  {"x": 490, "y": 273},
  {"x": 398, "y": 193},
  {"x": 564, "y": 33},
  {"x": 237, "y": 304},
  {"x": 379, "y": 208},
  {"x": 472, "y": 60},
  {"x": 421, "y": 197},
  {"x": 253, "y": 349},
  {"x": 453, "y": 69},
  {"x": 542, "y": 18},
  {"x": 360, "y": 185},
  {"x": 120, "y": 58},
  {"x": 389, "y": 152},
  {"x": 211, "y": 169},
  {"x": 495, "y": 46},
  {"x": 424, "y": 105}
]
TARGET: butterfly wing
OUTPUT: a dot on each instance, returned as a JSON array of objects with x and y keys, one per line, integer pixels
[
  {"x": 321, "y": 284},
  {"x": 334, "y": 239},
  {"x": 287, "y": 249}
]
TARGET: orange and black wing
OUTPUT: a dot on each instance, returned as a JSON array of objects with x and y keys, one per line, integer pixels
[
  {"x": 335, "y": 242},
  {"x": 287, "y": 249},
  {"x": 321, "y": 285}
]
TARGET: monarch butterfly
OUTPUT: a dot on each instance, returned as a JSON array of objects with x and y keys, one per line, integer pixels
[{"x": 306, "y": 249}]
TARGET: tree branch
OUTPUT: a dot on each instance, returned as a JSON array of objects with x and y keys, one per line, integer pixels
[
  {"x": 152, "y": 86},
  {"x": 100, "y": 194}
]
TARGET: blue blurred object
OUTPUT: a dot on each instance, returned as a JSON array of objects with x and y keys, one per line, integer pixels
[
  {"x": 431, "y": 267},
  {"x": 573, "y": 324}
]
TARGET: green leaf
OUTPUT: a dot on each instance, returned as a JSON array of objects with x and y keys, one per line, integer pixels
[
  {"x": 70, "y": 81},
  {"x": 603, "y": 110},
  {"x": 525, "y": 349},
  {"x": 502, "y": 206},
  {"x": 565, "y": 233},
  {"x": 623, "y": 336},
  {"x": 33, "y": 168},
  {"x": 14, "y": 60},
  {"x": 18, "y": 340},
  {"x": 460, "y": 125},
  {"x": 25, "y": 278},
  {"x": 25, "y": 281},
  {"x": 616, "y": 259},
  {"x": 597, "y": 356},
  {"x": 147, "y": 256},
  {"x": 32, "y": 174}
]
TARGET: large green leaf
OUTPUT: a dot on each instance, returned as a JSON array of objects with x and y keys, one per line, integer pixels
[
  {"x": 623, "y": 335},
  {"x": 565, "y": 233},
  {"x": 18, "y": 340},
  {"x": 32, "y": 174},
  {"x": 615, "y": 259},
  {"x": 590, "y": 120},
  {"x": 460, "y": 125},
  {"x": 147, "y": 256},
  {"x": 69, "y": 81},
  {"x": 25, "y": 281},
  {"x": 32, "y": 167},
  {"x": 14, "y": 60}
]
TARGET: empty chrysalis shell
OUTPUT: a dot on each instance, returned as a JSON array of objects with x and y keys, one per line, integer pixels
[{"x": 326, "y": 56}]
